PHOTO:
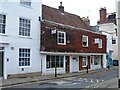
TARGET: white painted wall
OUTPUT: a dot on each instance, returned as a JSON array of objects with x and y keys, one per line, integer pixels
[
  {"x": 13, "y": 10},
  {"x": 110, "y": 28}
]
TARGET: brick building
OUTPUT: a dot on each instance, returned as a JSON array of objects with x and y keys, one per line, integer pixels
[{"x": 68, "y": 43}]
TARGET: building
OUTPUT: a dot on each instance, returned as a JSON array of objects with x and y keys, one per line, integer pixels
[
  {"x": 68, "y": 43},
  {"x": 19, "y": 37},
  {"x": 107, "y": 24}
]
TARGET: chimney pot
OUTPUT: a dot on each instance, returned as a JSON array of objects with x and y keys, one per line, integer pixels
[{"x": 61, "y": 8}]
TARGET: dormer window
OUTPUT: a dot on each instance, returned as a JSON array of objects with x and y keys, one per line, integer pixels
[
  {"x": 85, "y": 41},
  {"x": 61, "y": 38},
  {"x": 26, "y": 2}
]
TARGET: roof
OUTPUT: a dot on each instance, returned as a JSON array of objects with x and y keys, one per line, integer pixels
[{"x": 55, "y": 15}]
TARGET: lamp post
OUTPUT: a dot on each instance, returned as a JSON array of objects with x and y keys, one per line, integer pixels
[{"x": 118, "y": 28}]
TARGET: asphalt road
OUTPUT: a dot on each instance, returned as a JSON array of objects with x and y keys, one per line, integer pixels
[{"x": 74, "y": 82}]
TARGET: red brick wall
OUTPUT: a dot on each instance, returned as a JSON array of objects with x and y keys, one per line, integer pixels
[{"x": 74, "y": 40}]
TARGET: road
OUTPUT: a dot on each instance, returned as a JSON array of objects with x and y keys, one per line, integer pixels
[{"x": 74, "y": 82}]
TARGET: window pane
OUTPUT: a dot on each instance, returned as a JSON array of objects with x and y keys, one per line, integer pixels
[
  {"x": 84, "y": 61},
  {"x": 24, "y": 58},
  {"x": 2, "y": 23},
  {"x": 52, "y": 61},
  {"x": 24, "y": 27}
]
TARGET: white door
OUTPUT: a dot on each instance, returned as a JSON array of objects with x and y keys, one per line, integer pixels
[{"x": 92, "y": 62}]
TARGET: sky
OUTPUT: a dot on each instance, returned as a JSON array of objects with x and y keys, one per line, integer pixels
[{"x": 84, "y": 8}]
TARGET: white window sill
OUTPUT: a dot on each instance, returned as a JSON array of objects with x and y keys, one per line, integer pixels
[
  {"x": 2, "y": 34},
  {"x": 27, "y": 37},
  {"x": 61, "y": 44},
  {"x": 24, "y": 67},
  {"x": 49, "y": 69},
  {"x": 84, "y": 46},
  {"x": 84, "y": 66}
]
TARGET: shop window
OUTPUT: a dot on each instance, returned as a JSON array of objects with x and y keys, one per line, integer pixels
[{"x": 54, "y": 61}]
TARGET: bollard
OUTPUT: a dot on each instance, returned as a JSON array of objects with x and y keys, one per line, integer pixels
[
  {"x": 55, "y": 71},
  {"x": 87, "y": 68}
]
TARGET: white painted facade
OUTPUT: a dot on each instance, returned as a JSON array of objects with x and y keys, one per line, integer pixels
[
  {"x": 74, "y": 64},
  {"x": 110, "y": 28},
  {"x": 12, "y": 41}
]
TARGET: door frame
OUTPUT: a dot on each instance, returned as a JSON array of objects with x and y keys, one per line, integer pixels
[{"x": 2, "y": 52}]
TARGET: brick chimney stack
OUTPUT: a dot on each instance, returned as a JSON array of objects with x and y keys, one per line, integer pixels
[
  {"x": 61, "y": 8},
  {"x": 103, "y": 14}
]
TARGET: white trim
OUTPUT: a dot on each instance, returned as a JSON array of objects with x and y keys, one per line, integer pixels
[
  {"x": 86, "y": 61},
  {"x": 82, "y": 40},
  {"x": 64, "y": 53},
  {"x": 64, "y": 38}
]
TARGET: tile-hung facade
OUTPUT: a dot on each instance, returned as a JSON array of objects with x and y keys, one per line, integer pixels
[
  {"x": 20, "y": 37},
  {"x": 68, "y": 43}
]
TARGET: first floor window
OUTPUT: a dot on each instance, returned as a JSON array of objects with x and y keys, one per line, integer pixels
[
  {"x": 85, "y": 41},
  {"x": 24, "y": 57},
  {"x": 54, "y": 61},
  {"x": 25, "y": 2},
  {"x": 24, "y": 27},
  {"x": 84, "y": 61},
  {"x": 100, "y": 43},
  {"x": 96, "y": 60},
  {"x": 2, "y": 23},
  {"x": 113, "y": 41},
  {"x": 61, "y": 38}
]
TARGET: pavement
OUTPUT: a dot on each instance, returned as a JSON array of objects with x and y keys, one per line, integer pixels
[{"x": 113, "y": 83}]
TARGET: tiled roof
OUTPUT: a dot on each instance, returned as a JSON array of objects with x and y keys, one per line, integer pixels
[{"x": 55, "y": 15}]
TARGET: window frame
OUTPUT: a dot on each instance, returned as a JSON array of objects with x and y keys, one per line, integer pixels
[
  {"x": 61, "y": 38},
  {"x": 113, "y": 41},
  {"x": 53, "y": 62},
  {"x": 84, "y": 36},
  {"x": 24, "y": 31},
  {"x": 24, "y": 57},
  {"x": 86, "y": 61},
  {"x": 100, "y": 43},
  {"x": 27, "y": 3},
  {"x": 3, "y": 24},
  {"x": 98, "y": 59}
]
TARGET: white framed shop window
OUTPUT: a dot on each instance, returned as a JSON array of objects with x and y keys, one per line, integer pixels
[{"x": 54, "y": 61}]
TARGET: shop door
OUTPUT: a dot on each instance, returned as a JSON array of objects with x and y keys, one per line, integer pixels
[{"x": 67, "y": 64}]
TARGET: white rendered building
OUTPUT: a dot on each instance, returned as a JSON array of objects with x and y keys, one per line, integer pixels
[{"x": 19, "y": 37}]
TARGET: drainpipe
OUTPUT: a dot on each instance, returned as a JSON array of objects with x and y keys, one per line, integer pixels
[{"x": 118, "y": 28}]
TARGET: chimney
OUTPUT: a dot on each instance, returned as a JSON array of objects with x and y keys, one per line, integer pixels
[
  {"x": 102, "y": 15},
  {"x": 61, "y": 8}
]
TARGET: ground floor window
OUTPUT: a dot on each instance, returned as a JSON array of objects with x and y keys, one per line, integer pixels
[
  {"x": 24, "y": 57},
  {"x": 54, "y": 61},
  {"x": 84, "y": 61},
  {"x": 96, "y": 60}
]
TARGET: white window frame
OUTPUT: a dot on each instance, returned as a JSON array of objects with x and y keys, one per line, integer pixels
[
  {"x": 50, "y": 62},
  {"x": 98, "y": 59},
  {"x": 2, "y": 24},
  {"x": 24, "y": 57},
  {"x": 24, "y": 28},
  {"x": 86, "y": 61},
  {"x": 100, "y": 43},
  {"x": 26, "y": 3},
  {"x": 84, "y": 36},
  {"x": 61, "y": 38}
]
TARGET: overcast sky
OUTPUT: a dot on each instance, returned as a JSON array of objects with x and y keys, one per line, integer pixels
[{"x": 84, "y": 8}]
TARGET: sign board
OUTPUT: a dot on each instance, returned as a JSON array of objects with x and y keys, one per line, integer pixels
[{"x": 53, "y": 30}]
